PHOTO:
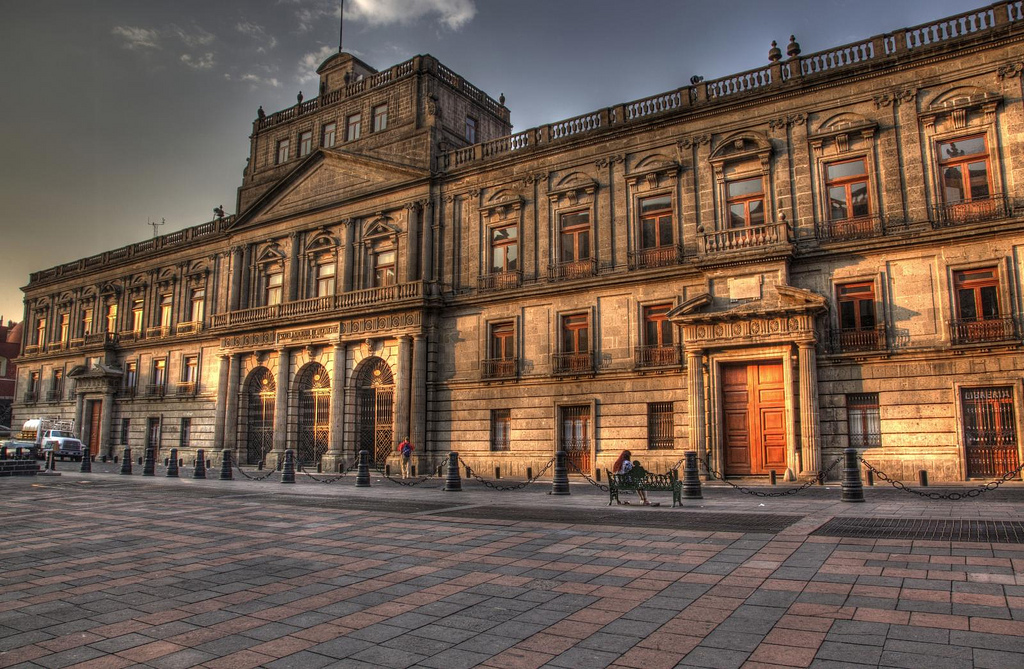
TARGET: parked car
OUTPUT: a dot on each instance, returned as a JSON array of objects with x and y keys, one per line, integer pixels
[
  {"x": 28, "y": 448},
  {"x": 62, "y": 444}
]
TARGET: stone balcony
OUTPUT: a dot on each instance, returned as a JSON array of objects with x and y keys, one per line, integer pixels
[
  {"x": 659, "y": 256},
  {"x": 987, "y": 331},
  {"x": 650, "y": 358},
  {"x": 572, "y": 364},
  {"x": 978, "y": 210},
  {"x": 357, "y": 300},
  {"x": 858, "y": 340},
  {"x": 863, "y": 227},
  {"x": 500, "y": 281},
  {"x": 500, "y": 369},
  {"x": 755, "y": 237}
]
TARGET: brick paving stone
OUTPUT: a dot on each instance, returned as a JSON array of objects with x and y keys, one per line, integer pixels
[{"x": 715, "y": 658}]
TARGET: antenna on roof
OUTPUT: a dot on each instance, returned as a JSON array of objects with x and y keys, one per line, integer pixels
[
  {"x": 155, "y": 225},
  {"x": 341, "y": 24}
]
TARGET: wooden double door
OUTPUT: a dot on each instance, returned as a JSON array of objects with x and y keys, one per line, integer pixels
[{"x": 754, "y": 418}]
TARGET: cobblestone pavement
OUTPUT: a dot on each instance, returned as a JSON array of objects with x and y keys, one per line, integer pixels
[{"x": 101, "y": 570}]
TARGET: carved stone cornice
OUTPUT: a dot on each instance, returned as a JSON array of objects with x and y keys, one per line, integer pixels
[
  {"x": 1010, "y": 70},
  {"x": 694, "y": 140},
  {"x": 614, "y": 159}
]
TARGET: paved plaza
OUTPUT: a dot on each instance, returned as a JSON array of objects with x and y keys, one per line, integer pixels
[{"x": 103, "y": 570}]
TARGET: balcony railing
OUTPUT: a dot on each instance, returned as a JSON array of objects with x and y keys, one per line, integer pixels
[
  {"x": 56, "y": 346},
  {"x": 128, "y": 390},
  {"x": 100, "y": 338},
  {"x": 851, "y": 228},
  {"x": 158, "y": 332},
  {"x": 191, "y": 327},
  {"x": 32, "y": 349},
  {"x": 155, "y": 390},
  {"x": 77, "y": 342},
  {"x": 572, "y": 363},
  {"x": 185, "y": 388},
  {"x": 30, "y": 397},
  {"x": 979, "y": 332},
  {"x": 54, "y": 395},
  {"x": 577, "y": 269},
  {"x": 129, "y": 336},
  {"x": 973, "y": 211},
  {"x": 739, "y": 239},
  {"x": 650, "y": 357},
  {"x": 660, "y": 256},
  {"x": 318, "y": 305},
  {"x": 501, "y": 368},
  {"x": 853, "y": 340},
  {"x": 501, "y": 280}
]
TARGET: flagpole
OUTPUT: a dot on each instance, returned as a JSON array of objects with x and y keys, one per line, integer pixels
[{"x": 341, "y": 25}]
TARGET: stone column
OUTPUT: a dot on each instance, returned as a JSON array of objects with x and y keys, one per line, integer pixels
[
  {"x": 810, "y": 446},
  {"x": 695, "y": 401},
  {"x": 222, "y": 395},
  {"x": 402, "y": 387},
  {"x": 293, "y": 268},
  {"x": 106, "y": 425},
  {"x": 231, "y": 406},
  {"x": 281, "y": 407},
  {"x": 411, "y": 265},
  {"x": 79, "y": 410},
  {"x": 243, "y": 293},
  {"x": 350, "y": 255},
  {"x": 915, "y": 172},
  {"x": 235, "y": 288},
  {"x": 336, "y": 449},
  {"x": 427, "y": 239},
  {"x": 418, "y": 395}
]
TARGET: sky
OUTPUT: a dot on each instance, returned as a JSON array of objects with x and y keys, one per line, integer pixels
[{"x": 114, "y": 113}]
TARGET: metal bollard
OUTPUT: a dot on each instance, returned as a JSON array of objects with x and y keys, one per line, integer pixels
[
  {"x": 172, "y": 464},
  {"x": 200, "y": 470},
  {"x": 225, "y": 465},
  {"x": 103, "y": 459},
  {"x": 691, "y": 477},
  {"x": 853, "y": 489},
  {"x": 126, "y": 461},
  {"x": 140, "y": 461},
  {"x": 772, "y": 477},
  {"x": 497, "y": 472},
  {"x": 363, "y": 470},
  {"x": 529, "y": 473},
  {"x": 871, "y": 477},
  {"x": 86, "y": 464},
  {"x": 53, "y": 462},
  {"x": 560, "y": 481},
  {"x": 3, "y": 452},
  {"x": 452, "y": 482},
  {"x": 288, "y": 472},
  {"x": 149, "y": 468},
  {"x": 922, "y": 478}
]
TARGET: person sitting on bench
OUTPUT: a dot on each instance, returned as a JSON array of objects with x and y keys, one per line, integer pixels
[{"x": 623, "y": 464}]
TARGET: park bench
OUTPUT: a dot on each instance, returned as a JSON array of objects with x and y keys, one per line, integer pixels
[{"x": 639, "y": 478}]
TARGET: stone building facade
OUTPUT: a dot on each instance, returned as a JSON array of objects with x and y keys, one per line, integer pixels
[{"x": 766, "y": 268}]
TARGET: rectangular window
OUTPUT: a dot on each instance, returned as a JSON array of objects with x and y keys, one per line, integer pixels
[
  {"x": 847, "y": 185},
  {"x": 275, "y": 288},
  {"x": 471, "y": 130},
  {"x": 856, "y": 306},
  {"x": 503, "y": 341},
  {"x": 656, "y": 221},
  {"x": 501, "y": 429},
  {"x": 160, "y": 372},
  {"x": 305, "y": 143},
  {"x": 190, "y": 369},
  {"x": 504, "y": 249},
  {"x": 58, "y": 384},
  {"x": 384, "y": 268},
  {"x": 576, "y": 333},
  {"x": 111, "y": 318},
  {"x": 86, "y": 322},
  {"x": 325, "y": 277},
  {"x": 166, "y": 304},
  {"x": 33, "y": 382},
  {"x": 185, "y": 438},
  {"x": 977, "y": 294},
  {"x": 125, "y": 430},
  {"x": 963, "y": 165},
  {"x": 863, "y": 420},
  {"x": 153, "y": 433},
  {"x": 131, "y": 376},
  {"x": 657, "y": 327},
  {"x": 659, "y": 425},
  {"x": 574, "y": 437},
  {"x": 329, "y": 132},
  {"x": 41, "y": 332},
  {"x": 745, "y": 202},
  {"x": 65, "y": 328},
  {"x": 353, "y": 127},
  {"x": 197, "y": 310},
  {"x": 137, "y": 311},
  {"x": 283, "y": 151},
  {"x": 574, "y": 236},
  {"x": 380, "y": 118}
]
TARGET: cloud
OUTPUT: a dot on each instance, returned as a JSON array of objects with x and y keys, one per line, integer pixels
[
  {"x": 258, "y": 34},
  {"x": 203, "y": 62},
  {"x": 137, "y": 38},
  {"x": 311, "y": 61},
  {"x": 452, "y": 13},
  {"x": 254, "y": 80}
]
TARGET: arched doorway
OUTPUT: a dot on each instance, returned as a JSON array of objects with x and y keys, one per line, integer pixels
[
  {"x": 258, "y": 422},
  {"x": 314, "y": 413},
  {"x": 375, "y": 393}
]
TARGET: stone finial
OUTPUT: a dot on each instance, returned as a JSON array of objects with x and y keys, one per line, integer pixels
[
  {"x": 260, "y": 114},
  {"x": 774, "y": 53},
  {"x": 501, "y": 99},
  {"x": 793, "y": 48},
  {"x": 299, "y": 97}
]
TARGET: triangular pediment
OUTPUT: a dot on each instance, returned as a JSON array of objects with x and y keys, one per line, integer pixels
[
  {"x": 327, "y": 177},
  {"x": 777, "y": 300}
]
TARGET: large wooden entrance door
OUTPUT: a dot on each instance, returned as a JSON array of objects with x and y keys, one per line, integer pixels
[
  {"x": 754, "y": 411},
  {"x": 95, "y": 416}
]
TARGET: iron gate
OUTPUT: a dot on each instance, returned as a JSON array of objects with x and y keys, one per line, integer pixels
[
  {"x": 990, "y": 434},
  {"x": 314, "y": 414},
  {"x": 261, "y": 392},
  {"x": 375, "y": 402},
  {"x": 575, "y": 437}
]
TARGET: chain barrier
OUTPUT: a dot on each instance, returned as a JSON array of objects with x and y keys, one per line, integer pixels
[
  {"x": 502, "y": 488},
  {"x": 819, "y": 477},
  {"x": 582, "y": 473},
  {"x": 254, "y": 478},
  {"x": 408, "y": 484},
  {"x": 951, "y": 496},
  {"x": 344, "y": 472}
]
